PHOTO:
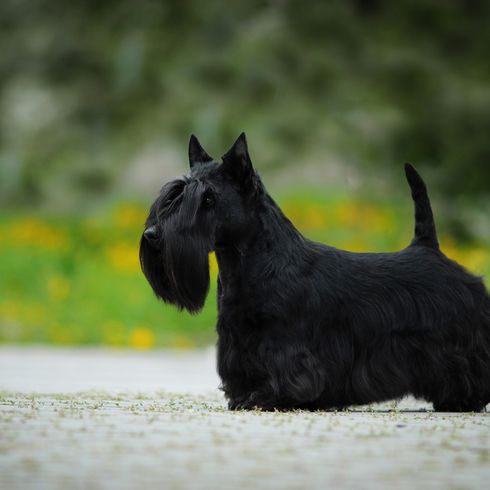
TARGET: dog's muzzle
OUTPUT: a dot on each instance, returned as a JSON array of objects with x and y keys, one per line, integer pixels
[{"x": 151, "y": 235}]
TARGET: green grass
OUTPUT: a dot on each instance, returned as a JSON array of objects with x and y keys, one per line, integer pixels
[{"x": 75, "y": 281}]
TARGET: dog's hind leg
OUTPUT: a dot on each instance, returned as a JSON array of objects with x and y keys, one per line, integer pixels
[
  {"x": 457, "y": 402},
  {"x": 463, "y": 387}
]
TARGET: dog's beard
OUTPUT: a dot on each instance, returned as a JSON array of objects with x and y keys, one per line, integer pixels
[
  {"x": 178, "y": 270},
  {"x": 176, "y": 264}
]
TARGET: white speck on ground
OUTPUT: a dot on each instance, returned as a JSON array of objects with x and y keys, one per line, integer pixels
[{"x": 121, "y": 420}]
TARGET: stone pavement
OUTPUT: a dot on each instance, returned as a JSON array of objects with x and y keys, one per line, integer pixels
[{"x": 102, "y": 419}]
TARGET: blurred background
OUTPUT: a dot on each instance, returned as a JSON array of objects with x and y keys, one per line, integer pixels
[{"x": 97, "y": 101}]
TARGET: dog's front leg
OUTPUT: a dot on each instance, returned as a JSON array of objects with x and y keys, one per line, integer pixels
[
  {"x": 254, "y": 401},
  {"x": 291, "y": 381}
]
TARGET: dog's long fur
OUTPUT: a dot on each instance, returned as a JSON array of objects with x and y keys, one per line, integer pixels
[{"x": 306, "y": 325}]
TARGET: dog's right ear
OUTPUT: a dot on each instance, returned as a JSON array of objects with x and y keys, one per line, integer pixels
[
  {"x": 237, "y": 163},
  {"x": 197, "y": 154}
]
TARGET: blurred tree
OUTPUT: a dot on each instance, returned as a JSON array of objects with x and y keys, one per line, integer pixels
[{"x": 87, "y": 85}]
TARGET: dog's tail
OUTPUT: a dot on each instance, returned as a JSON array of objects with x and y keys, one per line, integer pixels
[{"x": 425, "y": 229}]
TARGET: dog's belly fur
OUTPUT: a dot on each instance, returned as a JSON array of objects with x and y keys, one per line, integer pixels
[{"x": 410, "y": 322}]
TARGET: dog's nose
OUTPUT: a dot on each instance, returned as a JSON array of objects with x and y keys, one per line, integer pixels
[{"x": 151, "y": 234}]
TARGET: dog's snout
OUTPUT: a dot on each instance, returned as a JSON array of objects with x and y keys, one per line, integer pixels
[{"x": 151, "y": 234}]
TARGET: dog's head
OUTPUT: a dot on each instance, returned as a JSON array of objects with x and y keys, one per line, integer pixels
[{"x": 211, "y": 207}]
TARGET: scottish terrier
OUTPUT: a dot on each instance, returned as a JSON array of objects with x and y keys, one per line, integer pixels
[{"x": 302, "y": 325}]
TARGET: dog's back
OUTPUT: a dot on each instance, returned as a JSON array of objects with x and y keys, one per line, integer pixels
[{"x": 418, "y": 321}]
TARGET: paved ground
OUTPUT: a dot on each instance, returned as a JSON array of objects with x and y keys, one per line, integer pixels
[{"x": 107, "y": 420}]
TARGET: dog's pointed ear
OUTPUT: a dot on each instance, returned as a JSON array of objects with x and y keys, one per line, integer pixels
[
  {"x": 197, "y": 154},
  {"x": 236, "y": 161}
]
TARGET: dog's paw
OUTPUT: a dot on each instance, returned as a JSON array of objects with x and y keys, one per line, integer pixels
[
  {"x": 252, "y": 402},
  {"x": 242, "y": 405}
]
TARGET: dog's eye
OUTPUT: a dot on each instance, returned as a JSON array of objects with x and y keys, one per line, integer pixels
[{"x": 208, "y": 201}]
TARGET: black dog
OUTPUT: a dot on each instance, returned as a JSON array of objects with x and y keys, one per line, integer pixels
[{"x": 305, "y": 325}]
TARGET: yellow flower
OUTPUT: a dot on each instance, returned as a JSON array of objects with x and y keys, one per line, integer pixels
[
  {"x": 33, "y": 232},
  {"x": 124, "y": 257},
  {"x": 213, "y": 265},
  {"x": 363, "y": 215},
  {"x": 58, "y": 287},
  {"x": 314, "y": 217},
  {"x": 356, "y": 245},
  {"x": 293, "y": 212},
  {"x": 129, "y": 216},
  {"x": 475, "y": 259},
  {"x": 309, "y": 217},
  {"x": 9, "y": 310},
  {"x": 142, "y": 338}
]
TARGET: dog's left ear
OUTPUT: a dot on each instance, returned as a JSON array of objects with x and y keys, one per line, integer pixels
[
  {"x": 236, "y": 161},
  {"x": 197, "y": 154}
]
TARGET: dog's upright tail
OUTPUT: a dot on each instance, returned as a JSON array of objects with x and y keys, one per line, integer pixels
[{"x": 425, "y": 229}]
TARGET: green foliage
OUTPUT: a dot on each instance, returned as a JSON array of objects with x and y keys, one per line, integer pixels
[
  {"x": 77, "y": 280},
  {"x": 86, "y": 86}
]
